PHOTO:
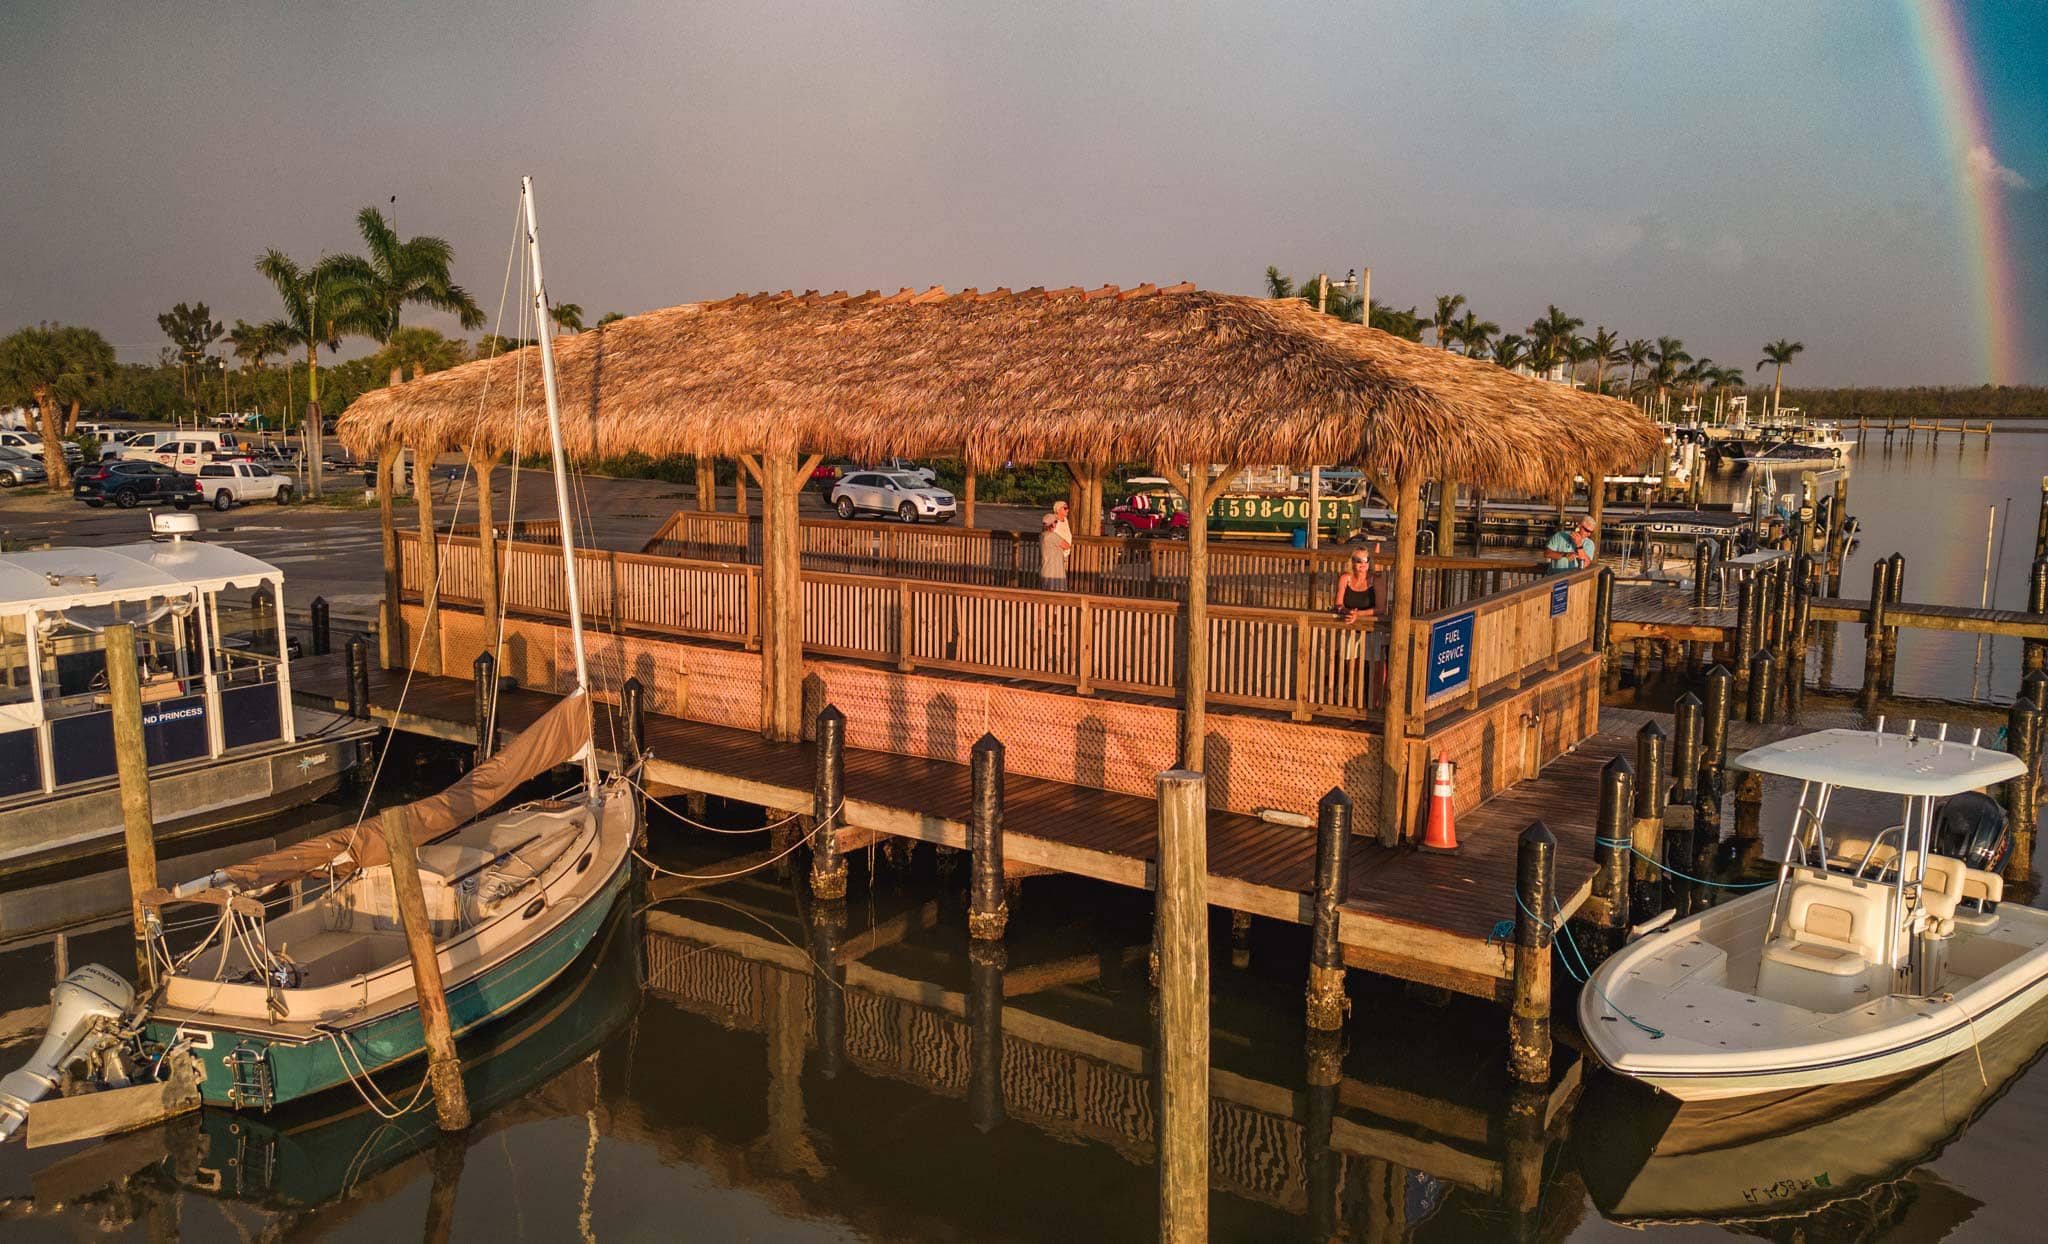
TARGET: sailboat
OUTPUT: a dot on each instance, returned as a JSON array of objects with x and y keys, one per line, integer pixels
[{"x": 270, "y": 1008}]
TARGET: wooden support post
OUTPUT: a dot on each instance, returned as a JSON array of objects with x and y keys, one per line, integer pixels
[
  {"x": 1646, "y": 833},
  {"x": 1778, "y": 611},
  {"x": 390, "y": 630},
  {"x": 1612, "y": 835},
  {"x": 2041, "y": 524},
  {"x": 1763, "y": 688},
  {"x": 1603, "y": 609},
  {"x": 359, "y": 678},
  {"x": 988, "y": 914},
  {"x": 485, "y": 709},
  {"x": 1200, "y": 492},
  {"x": 1838, "y": 535},
  {"x": 1529, "y": 1026},
  {"x": 1181, "y": 940},
  {"x": 1686, "y": 736},
  {"x": 444, "y": 1069},
  {"x": 828, "y": 869},
  {"x": 707, "y": 485},
  {"x": 632, "y": 745},
  {"x": 1873, "y": 633},
  {"x": 1446, "y": 542},
  {"x": 1240, "y": 940},
  {"x": 1745, "y": 624},
  {"x": 986, "y": 961},
  {"x": 482, "y": 465},
  {"x": 427, "y": 652},
  {"x": 1702, "y": 569},
  {"x": 1327, "y": 1003},
  {"x": 1478, "y": 520},
  {"x": 1895, "y": 587},
  {"x": 323, "y": 627},
  {"x": 1719, "y": 703},
  {"x": 782, "y": 638},
  {"x": 967, "y": 490},
  {"x": 1394, "y": 811},
  {"x": 131, "y": 768},
  {"x": 2034, "y": 654},
  {"x": 2023, "y": 738}
]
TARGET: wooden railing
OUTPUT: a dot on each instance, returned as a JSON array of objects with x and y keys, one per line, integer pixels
[
  {"x": 1522, "y": 630},
  {"x": 1252, "y": 576},
  {"x": 1305, "y": 663}
]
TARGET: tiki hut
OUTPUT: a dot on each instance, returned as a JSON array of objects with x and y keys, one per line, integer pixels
[{"x": 1191, "y": 381}]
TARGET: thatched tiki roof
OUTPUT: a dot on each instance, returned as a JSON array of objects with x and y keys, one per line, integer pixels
[{"x": 1166, "y": 376}]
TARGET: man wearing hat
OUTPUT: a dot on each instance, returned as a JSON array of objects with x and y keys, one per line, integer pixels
[{"x": 1574, "y": 547}]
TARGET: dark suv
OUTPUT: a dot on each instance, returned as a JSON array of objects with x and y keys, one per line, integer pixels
[{"x": 128, "y": 484}]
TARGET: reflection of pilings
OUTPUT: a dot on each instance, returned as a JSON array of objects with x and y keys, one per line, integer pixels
[
  {"x": 987, "y": 911},
  {"x": 1325, "y": 1168},
  {"x": 1522, "y": 1172},
  {"x": 985, "y": 963},
  {"x": 1327, "y": 1005},
  {"x": 828, "y": 869},
  {"x": 447, "y": 1157},
  {"x": 828, "y": 993},
  {"x": 790, "y": 1148}
]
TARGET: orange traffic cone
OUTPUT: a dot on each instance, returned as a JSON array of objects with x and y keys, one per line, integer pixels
[{"x": 1441, "y": 834}]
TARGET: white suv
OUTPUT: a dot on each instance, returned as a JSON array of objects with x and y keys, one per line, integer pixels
[
  {"x": 877, "y": 492},
  {"x": 226, "y": 483}
]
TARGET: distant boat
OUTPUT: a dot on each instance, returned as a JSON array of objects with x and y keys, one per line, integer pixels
[
  {"x": 225, "y": 743},
  {"x": 271, "y": 1007}
]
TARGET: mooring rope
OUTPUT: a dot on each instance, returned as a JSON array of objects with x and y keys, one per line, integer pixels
[
  {"x": 1561, "y": 937},
  {"x": 778, "y": 857},
  {"x": 714, "y": 829},
  {"x": 1719, "y": 885}
]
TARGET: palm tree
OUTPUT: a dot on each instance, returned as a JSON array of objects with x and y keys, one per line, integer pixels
[
  {"x": 317, "y": 311},
  {"x": 254, "y": 344},
  {"x": 1604, "y": 349},
  {"x": 1665, "y": 361},
  {"x": 1509, "y": 350},
  {"x": 1572, "y": 351},
  {"x": 419, "y": 350},
  {"x": 1278, "y": 286},
  {"x": 1446, "y": 317},
  {"x": 192, "y": 330},
  {"x": 50, "y": 364},
  {"x": 568, "y": 316},
  {"x": 1551, "y": 337},
  {"x": 376, "y": 288},
  {"x": 610, "y": 317},
  {"x": 1698, "y": 373},
  {"x": 1636, "y": 354},
  {"x": 1474, "y": 334},
  {"x": 1777, "y": 354}
]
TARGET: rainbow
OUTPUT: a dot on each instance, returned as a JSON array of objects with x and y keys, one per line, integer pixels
[{"x": 1955, "y": 92}]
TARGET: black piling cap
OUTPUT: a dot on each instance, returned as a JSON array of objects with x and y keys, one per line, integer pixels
[
  {"x": 831, "y": 713},
  {"x": 2034, "y": 689},
  {"x": 633, "y": 684},
  {"x": 1689, "y": 698},
  {"x": 1336, "y": 798},
  {"x": 1650, "y": 730},
  {"x": 988, "y": 742},
  {"x": 1538, "y": 833},
  {"x": 484, "y": 660}
]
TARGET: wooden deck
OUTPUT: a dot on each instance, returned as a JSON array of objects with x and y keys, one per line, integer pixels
[
  {"x": 1643, "y": 611},
  {"x": 1416, "y": 915}
]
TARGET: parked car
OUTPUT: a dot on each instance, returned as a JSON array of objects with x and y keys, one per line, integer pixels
[
  {"x": 128, "y": 484},
  {"x": 906, "y": 496},
  {"x": 229, "y": 482},
  {"x": 32, "y": 445},
  {"x": 185, "y": 451},
  {"x": 17, "y": 468}
]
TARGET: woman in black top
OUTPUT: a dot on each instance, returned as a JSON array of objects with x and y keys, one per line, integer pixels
[{"x": 1355, "y": 593}]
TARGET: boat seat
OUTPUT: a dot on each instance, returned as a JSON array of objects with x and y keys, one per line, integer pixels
[
  {"x": 1848, "y": 854},
  {"x": 1832, "y": 930}
]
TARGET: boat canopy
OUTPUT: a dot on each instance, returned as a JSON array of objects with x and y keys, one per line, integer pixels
[
  {"x": 1893, "y": 764},
  {"x": 54, "y": 579}
]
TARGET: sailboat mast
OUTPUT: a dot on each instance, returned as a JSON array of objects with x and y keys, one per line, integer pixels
[{"x": 545, "y": 328}]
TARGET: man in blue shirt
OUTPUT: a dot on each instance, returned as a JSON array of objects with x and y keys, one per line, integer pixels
[{"x": 1573, "y": 548}]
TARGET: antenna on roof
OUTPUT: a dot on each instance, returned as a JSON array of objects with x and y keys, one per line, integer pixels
[{"x": 175, "y": 525}]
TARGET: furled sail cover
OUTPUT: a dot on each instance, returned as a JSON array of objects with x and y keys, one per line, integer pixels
[{"x": 558, "y": 737}]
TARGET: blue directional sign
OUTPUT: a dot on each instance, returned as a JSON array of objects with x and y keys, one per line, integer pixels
[
  {"x": 1450, "y": 653},
  {"x": 1560, "y": 598}
]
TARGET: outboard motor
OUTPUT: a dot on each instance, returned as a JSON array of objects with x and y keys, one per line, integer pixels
[
  {"x": 1971, "y": 827},
  {"x": 84, "y": 1007}
]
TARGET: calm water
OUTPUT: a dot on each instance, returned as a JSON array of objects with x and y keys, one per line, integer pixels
[{"x": 698, "y": 1077}]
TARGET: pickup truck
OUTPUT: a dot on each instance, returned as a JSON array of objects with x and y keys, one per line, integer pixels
[{"x": 227, "y": 483}]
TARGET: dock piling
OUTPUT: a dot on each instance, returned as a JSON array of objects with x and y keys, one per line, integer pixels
[
  {"x": 2034, "y": 653},
  {"x": 1895, "y": 587},
  {"x": 1529, "y": 1027},
  {"x": 131, "y": 766},
  {"x": 1763, "y": 687},
  {"x": 1745, "y": 624},
  {"x": 1720, "y": 701},
  {"x": 1181, "y": 938},
  {"x": 1702, "y": 567},
  {"x": 323, "y": 627},
  {"x": 359, "y": 678},
  {"x": 2023, "y": 738},
  {"x": 1611, "y": 837},
  {"x": 631, "y": 748},
  {"x": 1603, "y": 609},
  {"x": 1646, "y": 833},
  {"x": 828, "y": 868},
  {"x": 1685, "y": 747},
  {"x": 988, "y": 911},
  {"x": 1873, "y": 632},
  {"x": 1327, "y": 1004},
  {"x": 485, "y": 677},
  {"x": 444, "y": 1069}
]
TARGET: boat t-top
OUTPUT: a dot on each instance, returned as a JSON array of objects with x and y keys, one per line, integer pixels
[{"x": 1867, "y": 957}]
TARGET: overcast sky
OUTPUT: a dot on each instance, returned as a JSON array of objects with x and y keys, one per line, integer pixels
[{"x": 1724, "y": 173}]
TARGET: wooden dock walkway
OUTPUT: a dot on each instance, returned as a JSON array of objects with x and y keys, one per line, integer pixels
[
  {"x": 1646, "y": 611},
  {"x": 1421, "y": 916}
]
